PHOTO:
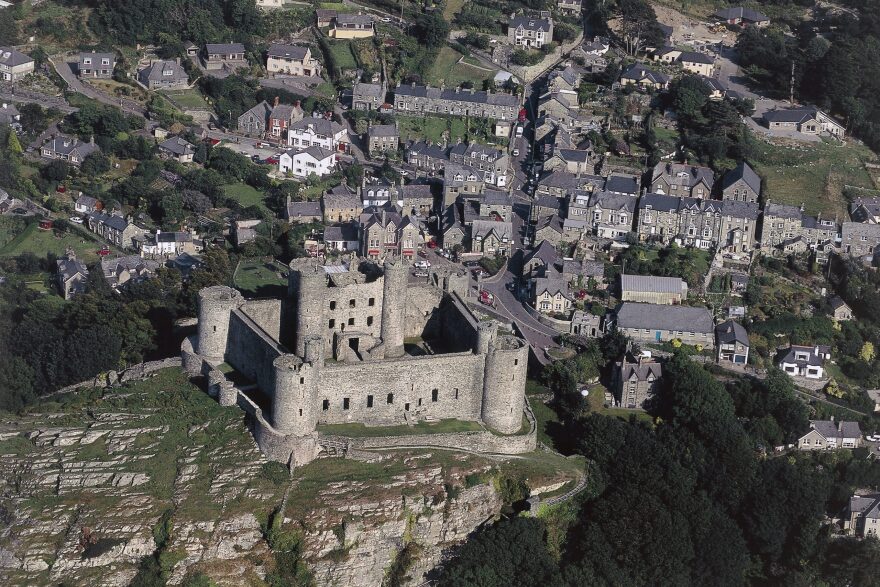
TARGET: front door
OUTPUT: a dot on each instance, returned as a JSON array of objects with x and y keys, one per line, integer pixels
[{"x": 657, "y": 336}]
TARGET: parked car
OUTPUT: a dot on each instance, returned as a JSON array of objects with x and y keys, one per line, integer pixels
[
  {"x": 76, "y": 219},
  {"x": 420, "y": 273},
  {"x": 255, "y": 158},
  {"x": 487, "y": 297},
  {"x": 516, "y": 152},
  {"x": 432, "y": 244},
  {"x": 422, "y": 264}
]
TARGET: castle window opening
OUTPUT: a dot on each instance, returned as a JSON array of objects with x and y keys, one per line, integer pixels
[
  {"x": 390, "y": 398},
  {"x": 369, "y": 401},
  {"x": 406, "y": 407},
  {"x": 302, "y": 380},
  {"x": 420, "y": 402},
  {"x": 300, "y": 412},
  {"x": 331, "y": 323},
  {"x": 456, "y": 393},
  {"x": 351, "y": 303},
  {"x": 434, "y": 394},
  {"x": 371, "y": 302},
  {"x": 369, "y": 320},
  {"x": 516, "y": 362},
  {"x": 215, "y": 329},
  {"x": 332, "y": 305},
  {"x": 351, "y": 321},
  {"x": 325, "y": 405},
  {"x": 345, "y": 402}
]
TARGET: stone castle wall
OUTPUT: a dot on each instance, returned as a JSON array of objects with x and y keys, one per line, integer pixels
[
  {"x": 267, "y": 315},
  {"x": 251, "y": 351}
]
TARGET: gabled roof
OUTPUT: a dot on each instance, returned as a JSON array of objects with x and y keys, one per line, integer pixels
[
  {"x": 112, "y": 220},
  {"x": 287, "y": 51},
  {"x": 261, "y": 111},
  {"x": 652, "y": 284},
  {"x": 304, "y": 209},
  {"x": 675, "y": 171},
  {"x": 69, "y": 268},
  {"x": 659, "y": 202},
  {"x": 637, "y": 72},
  {"x": 744, "y": 172},
  {"x": 457, "y": 95},
  {"x": 866, "y": 505},
  {"x": 694, "y": 57},
  {"x": 158, "y": 69},
  {"x": 663, "y": 317},
  {"x": 736, "y": 209},
  {"x": 643, "y": 370},
  {"x": 12, "y": 58},
  {"x": 530, "y": 23},
  {"x": 320, "y": 126},
  {"x": 354, "y": 19},
  {"x": 285, "y": 112},
  {"x": 66, "y": 145},
  {"x": 772, "y": 210},
  {"x": 341, "y": 232},
  {"x": 731, "y": 332},
  {"x": 369, "y": 90},
  {"x": 795, "y": 115},
  {"x": 837, "y": 303},
  {"x": 177, "y": 146},
  {"x": 552, "y": 286},
  {"x": 483, "y": 228},
  {"x": 841, "y": 430},
  {"x": 609, "y": 201},
  {"x": 383, "y": 130},
  {"x": 545, "y": 252},
  {"x": 741, "y": 13},
  {"x": 622, "y": 184},
  {"x": 223, "y": 48},
  {"x": 428, "y": 150}
]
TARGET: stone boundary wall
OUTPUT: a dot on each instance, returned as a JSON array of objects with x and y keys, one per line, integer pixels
[
  {"x": 560, "y": 325},
  {"x": 480, "y": 442},
  {"x": 132, "y": 373}
]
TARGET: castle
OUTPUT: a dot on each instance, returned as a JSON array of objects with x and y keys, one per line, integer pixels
[{"x": 366, "y": 347}]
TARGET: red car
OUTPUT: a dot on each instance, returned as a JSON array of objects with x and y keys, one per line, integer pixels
[
  {"x": 273, "y": 160},
  {"x": 61, "y": 189},
  {"x": 432, "y": 244},
  {"x": 522, "y": 115}
]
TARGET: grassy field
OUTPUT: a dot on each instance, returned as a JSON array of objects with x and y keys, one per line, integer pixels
[
  {"x": 342, "y": 54},
  {"x": 547, "y": 419},
  {"x": 439, "y": 427},
  {"x": 449, "y": 72},
  {"x": 339, "y": 6},
  {"x": 452, "y": 8},
  {"x": 188, "y": 99},
  {"x": 42, "y": 242},
  {"x": 244, "y": 194},
  {"x": 814, "y": 175},
  {"x": 258, "y": 276},
  {"x": 431, "y": 128}
]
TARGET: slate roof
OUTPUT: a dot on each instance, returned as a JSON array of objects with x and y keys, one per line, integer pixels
[
  {"x": 341, "y": 232},
  {"x": 261, "y": 111},
  {"x": 795, "y": 115},
  {"x": 86, "y": 201},
  {"x": 813, "y": 358},
  {"x": 740, "y": 209},
  {"x": 867, "y": 505},
  {"x": 483, "y": 227},
  {"x": 871, "y": 205},
  {"x": 858, "y": 229},
  {"x": 12, "y": 58},
  {"x": 837, "y": 302},
  {"x": 637, "y": 71},
  {"x": 663, "y": 317},
  {"x": 68, "y": 268},
  {"x": 660, "y": 202},
  {"x": 369, "y": 90},
  {"x": 457, "y": 95},
  {"x": 731, "y": 332},
  {"x": 530, "y": 23},
  {"x": 545, "y": 251},
  {"x": 552, "y": 285},
  {"x": 284, "y": 111},
  {"x": 553, "y": 222},
  {"x": 321, "y": 126},
  {"x": 287, "y": 51},
  {"x": 695, "y": 173},
  {"x": 429, "y": 150},
  {"x": 574, "y": 155},
  {"x": 609, "y": 201},
  {"x": 740, "y": 13},
  {"x": 112, "y": 220},
  {"x": 340, "y": 199},
  {"x": 177, "y": 146},
  {"x": 223, "y": 48},
  {"x": 304, "y": 209},
  {"x": 694, "y": 57},
  {"x": 744, "y": 172},
  {"x": 97, "y": 57},
  {"x": 354, "y": 19},
  {"x": 652, "y": 284},
  {"x": 415, "y": 190},
  {"x": 643, "y": 371},
  {"x": 318, "y": 153},
  {"x": 384, "y": 130},
  {"x": 782, "y": 211},
  {"x": 66, "y": 145},
  {"x": 156, "y": 71},
  {"x": 548, "y": 201},
  {"x": 622, "y": 184},
  {"x": 842, "y": 429}
]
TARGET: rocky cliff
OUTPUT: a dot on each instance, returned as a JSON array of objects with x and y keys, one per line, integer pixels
[{"x": 97, "y": 483}]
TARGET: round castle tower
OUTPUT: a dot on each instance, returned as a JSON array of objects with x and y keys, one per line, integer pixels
[
  {"x": 215, "y": 305},
  {"x": 394, "y": 306},
  {"x": 295, "y": 397},
  {"x": 307, "y": 285},
  {"x": 504, "y": 384}
]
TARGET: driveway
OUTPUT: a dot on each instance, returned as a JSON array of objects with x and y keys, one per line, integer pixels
[{"x": 75, "y": 85}]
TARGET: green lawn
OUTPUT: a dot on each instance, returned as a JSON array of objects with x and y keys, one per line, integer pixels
[
  {"x": 339, "y": 6},
  {"x": 547, "y": 418},
  {"x": 342, "y": 54},
  {"x": 813, "y": 175},
  {"x": 449, "y": 72},
  {"x": 439, "y": 427},
  {"x": 452, "y": 8},
  {"x": 42, "y": 242},
  {"x": 258, "y": 277},
  {"x": 431, "y": 128},
  {"x": 244, "y": 194},
  {"x": 188, "y": 99}
]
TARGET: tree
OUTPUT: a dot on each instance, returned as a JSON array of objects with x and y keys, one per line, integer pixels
[
  {"x": 13, "y": 144},
  {"x": 55, "y": 170},
  {"x": 95, "y": 164},
  {"x": 867, "y": 353},
  {"x": 432, "y": 28}
]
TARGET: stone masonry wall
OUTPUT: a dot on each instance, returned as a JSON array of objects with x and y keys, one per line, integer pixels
[
  {"x": 482, "y": 442},
  {"x": 411, "y": 380},
  {"x": 251, "y": 351},
  {"x": 267, "y": 315}
]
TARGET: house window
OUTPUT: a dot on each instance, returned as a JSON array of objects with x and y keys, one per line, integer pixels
[
  {"x": 345, "y": 402},
  {"x": 325, "y": 405},
  {"x": 434, "y": 394},
  {"x": 390, "y": 399},
  {"x": 369, "y": 401}
]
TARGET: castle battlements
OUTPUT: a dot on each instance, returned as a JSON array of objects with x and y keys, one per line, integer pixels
[{"x": 354, "y": 343}]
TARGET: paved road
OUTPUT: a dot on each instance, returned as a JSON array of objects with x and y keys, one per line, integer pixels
[
  {"x": 64, "y": 70},
  {"x": 304, "y": 86}
]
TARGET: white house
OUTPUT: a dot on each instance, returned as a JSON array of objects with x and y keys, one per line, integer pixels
[
  {"x": 805, "y": 361},
  {"x": 317, "y": 132},
  {"x": 317, "y": 160},
  {"x": 828, "y": 434}
]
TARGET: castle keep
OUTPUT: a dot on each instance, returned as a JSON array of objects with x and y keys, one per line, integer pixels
[{"x": 357, "y": 343}]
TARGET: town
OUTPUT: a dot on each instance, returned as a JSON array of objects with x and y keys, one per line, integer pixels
[{"x": 500, "y": 229}]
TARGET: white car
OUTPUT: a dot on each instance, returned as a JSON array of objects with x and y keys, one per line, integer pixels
[
  {"x": 515, "y": 152},
  {"x": 422, "y": 264},
  {"x": 76, "y": 219},
  {"x": 385, "y": 19}
]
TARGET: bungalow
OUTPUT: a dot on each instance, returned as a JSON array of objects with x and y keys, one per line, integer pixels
[
  {"x": 805, "y": 361},
  {"x": 292, "y": 60},
  {"x": 228, "y": 56},
  {"x": 656, "y": 323},
  {"x": 324, "y": 18},
  {"x": 698, "y": 63},
  {"x": 352, "y": 26},
  {"x": 96, "y": 65},
  {"x": 178, "y": 149},
  {"x": 551, "y": 295},
  {"x": 733, "y": 343},
  {"x": 638, "y": 74},
  {"x": 72, "y": 275},
  {"x": 807, "y": 120},
  {"x": 119, "y": 271},
  {"x": 87, "y": 204},
  {"x": 68, "y": 149},
  {"x": 311, "y": 160},
  {"x": 164, "y": 75},
  {"x": 828, "y": 434}
]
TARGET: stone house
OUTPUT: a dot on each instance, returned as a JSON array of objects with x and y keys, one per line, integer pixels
[
  {"x": 115, "y": 229},
  {"x": 570, "y": 7},
  {"x": 69, "y": 149},
  {"x": 87, "y": 204},
  {"x": 383, "y": 138},
  {"x": 655, "y": 323},
  {"x": 741, "y": 184},
  {"x": 318, "y": 132},
  {"x": 579, "y": 272},
  {"x": 658, "y": 218},
  {"x": 585, "y": 324},
  {"x": 454, "y": 230},
  {"x": 72, "y": 275},
  {"x": 386, "y": 232},
  {"x": 414, "y": 198},
  {"x": 340, "y": 204},
  {"x": 427, "y": 156},
  {"x": 546, "y": 205},
  {"x": 732, "y": 341},
  {"x": 416, "y": 100},
  {"x": 639, "y": 75},
  {"x": 164, "y": 75},
  {"x": 528, "y": 31},
  {"x": 120, "y": 271},
  {"x": 612, "y": 215},
  {"x": 551, "y": 295},
  {"x": 620, "y": 183},
  {"x": 698, "y": 63},
  {"x": 540, "y": 261},
  {"x": 859, "y": 239},
  {"x": 805, "y": 361},
  {"x": 561, "y": 106},
  {"x": 14, "y": 65},
  {"x": 781, "y": 222},
  {"x": 492, "y": 238},
  {"x": 494, "y": 204},
  {"x": 325, "y": 18},
  {"x": 739, "y": 225},
  {"x": 178, "y": 149},
  {"x": 840, "y": 311},
  {"x": 255, "y": 121},
  {"x": 788, "y": 229},
  {"x": 342, "y": 237},
  {"x": 636, "y": 381},
  {"x": 679, "y": 179},
  {"x": 808, "y": 120},
  {"x": 303, "y": 212},
  {"x": 572, "y": 160},
  {"x": 292, "y": 60},
  {"x": 565, "y": 79},
  {"x": 700, "y": 222},
  {"x": 865, "y": 210},
  {"x": 96, "y": 65},
  {"x": 828, "y": 435},
  {"x": 352, "y": 26},
  {"x": 460, "y": 180},
  {"x": 228, "y": 56},
  {"x": 561, "y": 184},
  {"x": 483, "y": 158},
  {"x": 550, "y": 228},
  {"x": 281, "y": 118},
  {"x": 367, "y": 96},
  {"x": 652, "y": 289},
  {"x": 864, "y": 516}
]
